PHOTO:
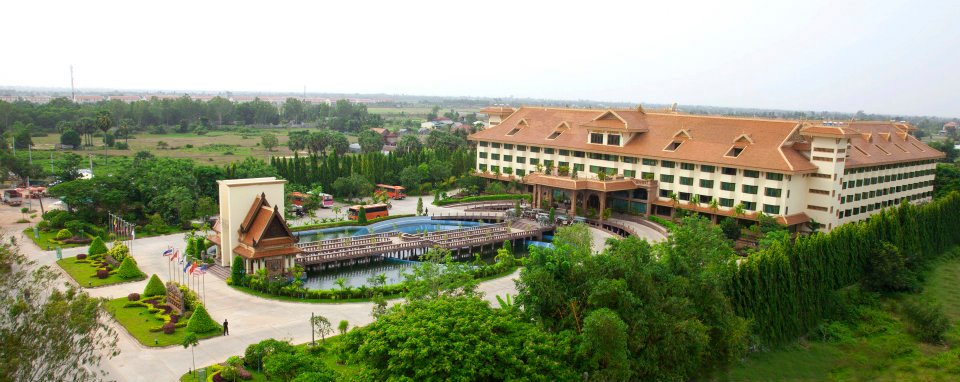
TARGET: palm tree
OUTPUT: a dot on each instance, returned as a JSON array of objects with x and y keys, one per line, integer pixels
[
  {"x": 739, "y": 210},
  {"x": 714, "y": 206},
  {"x": 336, "y": 211},
  {"x": 695, "y": 200},
  {"x": 104, "y": 122}
]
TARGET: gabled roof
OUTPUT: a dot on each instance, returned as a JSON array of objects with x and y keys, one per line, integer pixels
[
  {"x": 259, "y": 202},
  {"x": 877, "y": 143},
  {"x": 771, "y": 148},
  {"x": 264, "y": 233}
]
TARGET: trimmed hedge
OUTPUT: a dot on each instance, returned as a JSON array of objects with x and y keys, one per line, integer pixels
[
  {"x": 64, "y": 234},
  {"x": 200, "y": 321},
  {"x": 133, "y": 297},
  {"x": 348, "y": 223},
  {"x": 119, "y": 251},
  {"x": 482, "y": 198},
  {"x": 97, "y": 247},
  {"x": 128, "y": 269},
  {"x": 154, "y": 287}
]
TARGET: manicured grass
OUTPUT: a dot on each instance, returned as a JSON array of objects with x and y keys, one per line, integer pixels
[
  {"x": 138, "y": 321},
  {"x": 44, "y": 242},
  {"x": 879, "y": 350},
  {"x": 86, "y": 273},
  {"x": 328, "y": 357},
  {"x": 311, "y": 300}
]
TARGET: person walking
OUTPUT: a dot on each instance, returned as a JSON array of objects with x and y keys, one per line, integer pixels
[{"x": 226, "y": 329}]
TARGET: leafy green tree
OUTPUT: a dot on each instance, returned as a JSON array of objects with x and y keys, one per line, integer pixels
[
  {"x": 411, "y": 178},
  {"x": 370, "y": 141},
  {"x": 438, "y": 275},
  {"x": 730, "y": 228},
  {"x": 419, "y": 206},
  {"x": 604, "y": 346},
  {"x": 286, "y": 366},
  {"x": 49, "y": 333},
  {"x": 154, "y": 287},
  {"x": 269, "y": 141},
  {"x": 321, "y": 325},
  {"x": 70, "y": 137},
  {"x": 343, "y": 326},
  {"x": 409, "y": 144},
  {"x": 886, "y": 270},
  {"x": 362, "y": 216},
  {"x": 353, "y": 186},
  {"x": 191, "y": 341},
  {"x": 457, "y": 339},
  {"x": 339, "y": 143}
]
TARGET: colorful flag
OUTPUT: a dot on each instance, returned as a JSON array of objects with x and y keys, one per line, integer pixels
[
  {"x": 175, "y": 255},
  {"x": 185, "y": 267},
  {"x": 200, "y": 271},
  {"x": 168, "y": 252},
  {"x": 193, "y": 267}
]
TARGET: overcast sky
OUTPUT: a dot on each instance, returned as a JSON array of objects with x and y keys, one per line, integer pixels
[{"x": 895, "y": 57}]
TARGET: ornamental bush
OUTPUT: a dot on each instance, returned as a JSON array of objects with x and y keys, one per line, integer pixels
[
  {"x": 103, "y": 273},
  {"x": 133, "y": 297},
  {"x": 128, "y": 269},
  {"x": 82, "y": 256},
  {"x": 169, "y": 328},
  {"x": 200, "y": 321},
  {"x": 97, "y": 247},
  {"x": 119, "y": 252},
  {"x": 154, "y": 287},
  {"x": 64, "y": 234}
]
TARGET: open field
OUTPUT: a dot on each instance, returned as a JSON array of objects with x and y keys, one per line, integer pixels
[{"x": 880, "y": 348}]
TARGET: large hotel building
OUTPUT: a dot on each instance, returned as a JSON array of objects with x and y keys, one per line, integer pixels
[{"x": 643, "y": 162}]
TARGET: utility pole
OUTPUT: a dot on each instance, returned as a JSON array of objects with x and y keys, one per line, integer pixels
[{"x": 73, "y": 91}]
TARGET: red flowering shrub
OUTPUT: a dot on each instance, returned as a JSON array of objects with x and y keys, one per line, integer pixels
[
  {"x": 169, "y": 327},
  {"x": 244, "y": 374},
  {"x": 174, "y": 318},
  {"x": 81, "y": 256},
  {"x": 103, "y": 273},
  {"x": 133, "y": 297}
]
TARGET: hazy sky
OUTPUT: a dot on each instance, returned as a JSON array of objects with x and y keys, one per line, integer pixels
[{"x": 877, "y": 56}]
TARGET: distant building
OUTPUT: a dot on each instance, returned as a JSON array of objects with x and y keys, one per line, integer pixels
[
  {"x": 355, "y": 147},
  {"x": 389, "y": 138},
  {"x": 495, "y": 114}
]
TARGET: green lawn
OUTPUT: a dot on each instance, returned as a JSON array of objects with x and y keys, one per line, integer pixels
[
  {"x": 328, "y": 358},
  {"x": 880, "y": 349},
  {"x": 86, "y": 273},
  {"x": 138, "y": 321},
  {"x": 44, "y": 242}
]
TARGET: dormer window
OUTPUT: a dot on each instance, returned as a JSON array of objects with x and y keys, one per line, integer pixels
[
  {"x": 555, "y": 134},
  {"x": 514, "y": 131},
  {"x": 735, "y": 152},
  {"x": 613, "y": 139},
  {"x": 673, "y": 146},
  {"x": 596, "y": 138}
]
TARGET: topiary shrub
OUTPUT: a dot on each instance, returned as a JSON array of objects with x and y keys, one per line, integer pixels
[
  {"x": 97, "y": 248},
  {"x": 82, "y": 256},
  {"x": 200, "y": 321},
  {"x": 64, "y": 234},
  {"x": 128, "y": 269},
  {"x": 133, "y": 297},
  {"x": 103, "y": 273},
  {"x": 119, "y": 252},
  {"x": 169, "y": 328},
  {"x": 154, "y": 287}
]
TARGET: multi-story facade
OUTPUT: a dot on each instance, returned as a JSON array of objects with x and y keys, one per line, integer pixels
[{"x": 644, "y": 163}]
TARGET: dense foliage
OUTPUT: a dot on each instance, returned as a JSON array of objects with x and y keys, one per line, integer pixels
[
  {"x": 154, "y": 287},
  {"x": 457, "y": 339},
  {"x": 783, "y": 289},
  {"x": 636, "y": 311},
  {"x": 97, "y": 247},
  {"x": 200, "y": 321},
  {"x": 128, "y": 269}
]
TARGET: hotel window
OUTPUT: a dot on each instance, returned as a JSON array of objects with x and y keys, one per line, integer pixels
[
  {"x": 772, "y": 192},
  {"x": 728, "y": 171},
  {"x": 548, "y": 163},
  {"x": 646, "y": 175},
  {"x": 564, "y": 152},
  {"x": 483, "y": 154},
  {"x": 494, "y": 168},
  {"x": 705, "y": 199},
  {"x": 665, "y": 193},
  {"x": 482, "y": 167},
  {"x": 771, "y": 209},
  {"x": 548, "y": 150},
  {"x": 706, "y": 183},
  {"x": 521, "y": 148},
  {"x": 649, "y": 162},
  {"x": 578, "y": 166},
  {"x": 630, "y": 173},
  {"x": 664, "y": 178},
  {"x": 520, "y": 172},
  {"x": 685, "y": 196},
  {"x": 774, "y": 176},
  {"x": 630, "y": 160},
  {"x": 534, "y": 149},
  {"x": 534, "y": 161},
  {"x": 724, "y": 202},
  {"x": 707, "y": 168},
  {"x": 749, "y": 206},
  {"x": 748, "y": 189},
  {"x": 483, "y": 144},
  {"x": 751, "y": 174},
  {"x": 564, "y": 164},
  {"x": 579, "y": 154},
  {"x": 508, "y": 158},
  {"x": 596, "y": 138},
  {"x": 495, "y": 156},
  {"x": 507, "y": 146},
  {"x": 687, "y": 166},
  {"x": 521, "y": 160},
  {"x": 673, "y": 146},
  {"x": 613, "y": 139},
  {"x": 728, "y": 186},
  {"x": 508, "y": 170},
  {"x": 669, "y": 164},
  {"x": 686, "y": 181},
  {"x": 495, "y": 145}
]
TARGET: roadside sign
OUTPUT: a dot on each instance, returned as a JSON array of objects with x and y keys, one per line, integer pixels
[
  {"x": 59, "y": 252},
  {"x": 36, "y": 232}
]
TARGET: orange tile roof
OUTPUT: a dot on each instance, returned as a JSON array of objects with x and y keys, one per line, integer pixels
[
  {"x": 264, "y": 233},
  {"x": 710, "y": 137},
  {"x": 878, "y": 143},
  {"x": 497, "y": 110}
]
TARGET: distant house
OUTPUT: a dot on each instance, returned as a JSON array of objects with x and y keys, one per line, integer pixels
[
  {"x": 355, "y": 147},
  {"x": 442, "y": 121},
  {"x": 389, "y": 138},
  {"x": 948, "y": 128},
  {"x": 428, "y": 125}
]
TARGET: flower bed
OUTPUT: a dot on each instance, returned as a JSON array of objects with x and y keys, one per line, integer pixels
[
  {"x": 84, "y": 271},
  {"x": 145, "y": 320},
  {"x": 348, "y": 223}
]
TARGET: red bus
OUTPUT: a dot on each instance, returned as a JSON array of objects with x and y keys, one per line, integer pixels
[
  {"x": 326, "y": 200},
  {"x": 297, "y": 198},
  {"x": 372, "y": 211},
  {"x": 395, "y": 192}
]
